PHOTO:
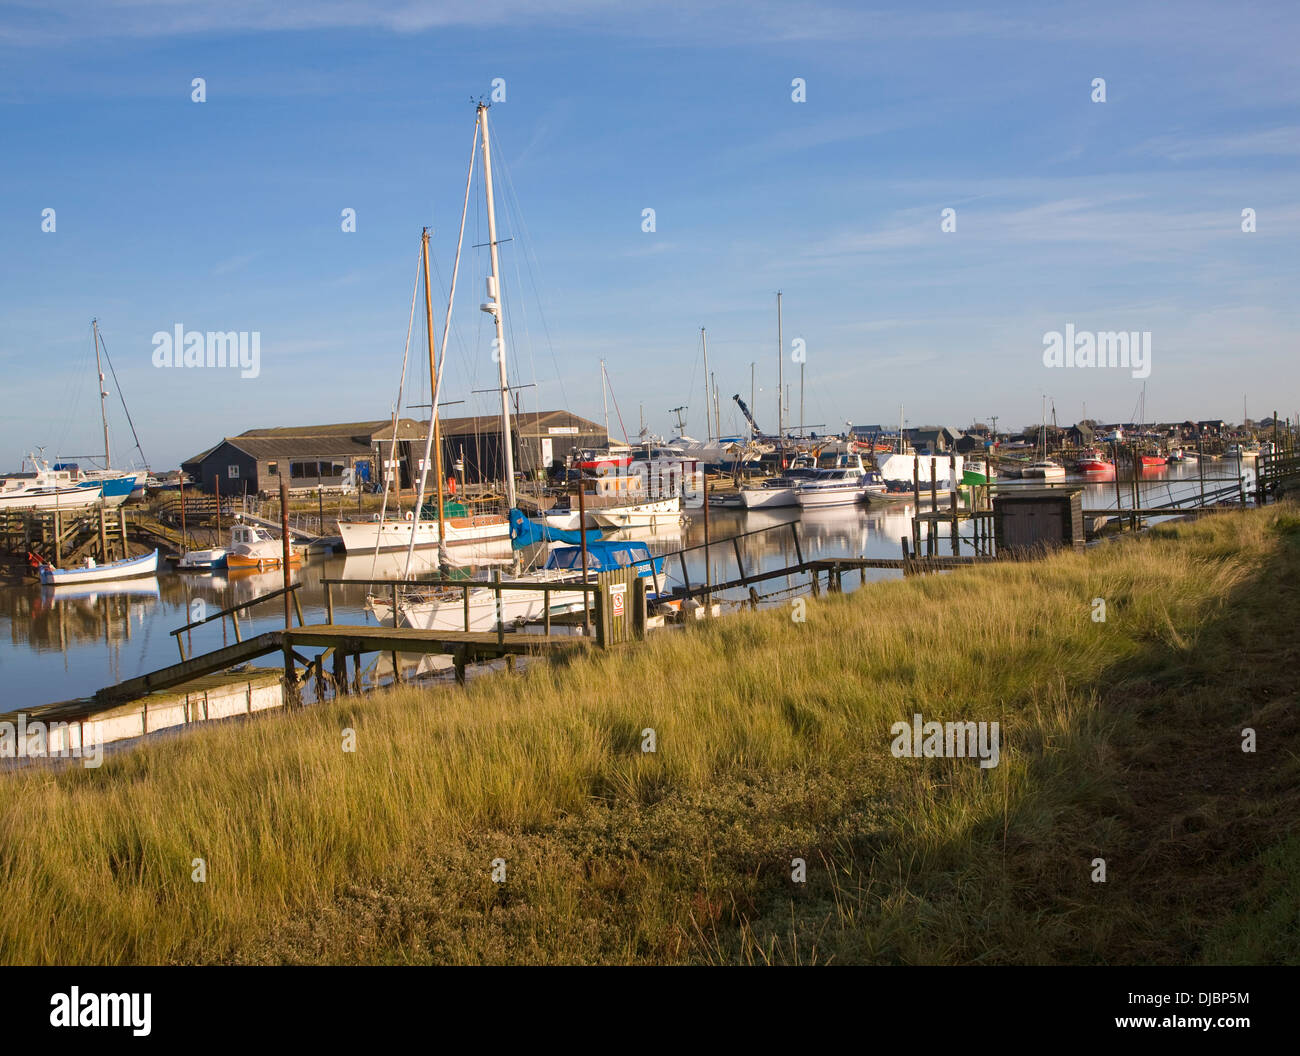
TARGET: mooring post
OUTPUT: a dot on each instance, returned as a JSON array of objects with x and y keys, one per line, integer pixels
[
  {"x": 582, "y": 542},
  {"x": 500, "y": 614},
  {"x": 329, "y": 605},
  {"x": 708, "y": 572},
  {"x": 284, "y": 546}
]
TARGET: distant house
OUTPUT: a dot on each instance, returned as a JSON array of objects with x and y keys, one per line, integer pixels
[
  {"x": 1080, "y": 434},
  {"x": 931, "y": 440},
  {"x": 970, "y": 444},
  {"x": 1212, "y": 426}
]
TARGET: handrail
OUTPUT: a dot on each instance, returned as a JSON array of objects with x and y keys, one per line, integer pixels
[
  {"x": 462, "y": 584},
  {"x": 237, "y": 608}
]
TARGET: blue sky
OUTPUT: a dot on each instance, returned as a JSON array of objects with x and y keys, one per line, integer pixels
[{"x": 225, "y": 215}]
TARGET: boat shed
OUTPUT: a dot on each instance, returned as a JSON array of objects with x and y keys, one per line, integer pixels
[
  {"x": 338, "y": 456},
  {"x": 1032, "y": 521}
]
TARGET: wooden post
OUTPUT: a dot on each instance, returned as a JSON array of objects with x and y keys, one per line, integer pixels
[
  {"x": 740, "y": 566},
  {"x": 458, "y": 658},
  {"x": 340, "y": 670},
  {"x": 464, "y": 600},
  {"x": 582, "y": 542},
  {"x": 58, "y": 538},
  {"x": 500, "y": 613},
  {"x": 185, "y": 541},
  {"x": 546, "y": 611},
  {"x": 329, "y": 606},
  {"x": 103, "y": 534},
  {"x": 907, "y": 558},
  {"x": 1200, "y": 465},
  {"x": 216, "y": 484},
  {"x": 798, "y": 550},
  {"x": 284, "y": 546},
  {"x": 931, "y": 542},
  {"x": 234, "y": 618},
  {"x": 708, "y": 572}
]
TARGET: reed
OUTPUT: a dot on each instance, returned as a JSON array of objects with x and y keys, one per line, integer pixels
[{"x": 1120, "y": 740}]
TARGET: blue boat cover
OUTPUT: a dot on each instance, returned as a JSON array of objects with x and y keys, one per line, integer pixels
[{"x": 525, "y": 532}]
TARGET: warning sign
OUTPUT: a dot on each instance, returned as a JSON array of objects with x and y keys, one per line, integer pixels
[{"x": 616, "y": 592}]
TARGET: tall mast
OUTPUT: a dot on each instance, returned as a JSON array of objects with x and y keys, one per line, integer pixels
[
  {"x": 717, "y": 414},
  {"x": 493, "y": 307},
  {"x": 604, "y": 400},
  {"x": 103, "y": 393},
  {"x": 708, "y": 427},
  {"x": 780, "y": 378},
  {"x": 433, "y": 394}
]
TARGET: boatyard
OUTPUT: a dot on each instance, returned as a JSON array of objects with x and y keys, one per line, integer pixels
[{"x": 701, "y": 484}]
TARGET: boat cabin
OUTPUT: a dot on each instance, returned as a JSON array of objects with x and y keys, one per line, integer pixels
[{"x": 248, "y": 535}]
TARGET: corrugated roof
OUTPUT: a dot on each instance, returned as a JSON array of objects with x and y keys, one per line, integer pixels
[{"x": 405, "y": 427}]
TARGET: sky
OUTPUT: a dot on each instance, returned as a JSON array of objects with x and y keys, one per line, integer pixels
[{"x": 226, "y": 214}]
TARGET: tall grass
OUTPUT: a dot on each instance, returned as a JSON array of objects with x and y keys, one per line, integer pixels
[{"x": 772, "y": 744}]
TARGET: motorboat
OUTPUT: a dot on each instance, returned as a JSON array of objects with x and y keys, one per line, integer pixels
[
  {"x": 202, "y": 560},
  {"x": 1044, "y": 469},
  {"x": 252, "y": 547},
  {"x": 832, "y": 487},
  {"x": 779, "y": 491}
]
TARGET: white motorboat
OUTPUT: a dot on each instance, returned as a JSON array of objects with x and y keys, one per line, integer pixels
[
  {"x": 90, "y": 572},
  {"x": 19, "y": 492},
  {"x": 1045, "y": 469},
  {"x": 780, "y": 490},
  {"x": 202, "y": 560},
  {"x": 639, "y": 515},
  {"x": 832, "y": 487}
]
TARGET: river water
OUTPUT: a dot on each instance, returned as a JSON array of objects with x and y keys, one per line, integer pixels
[{"x": 58, "y": 644}]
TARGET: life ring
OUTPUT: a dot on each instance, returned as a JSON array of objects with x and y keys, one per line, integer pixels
[{"x": 410, "y": 516}]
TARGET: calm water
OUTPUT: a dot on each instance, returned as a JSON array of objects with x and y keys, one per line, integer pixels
[{"x": 65, "y": 643}]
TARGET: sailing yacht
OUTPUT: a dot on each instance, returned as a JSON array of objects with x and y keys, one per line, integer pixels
[
  {"x": 411, "y": 531},
  {"x": 1045, "y": 468}
]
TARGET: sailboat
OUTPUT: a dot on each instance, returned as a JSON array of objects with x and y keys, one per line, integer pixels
[
  {"x": 115, "y": 485},
  {"x": 412, "y": 531},
  {"x": 1044, "y": 468}
]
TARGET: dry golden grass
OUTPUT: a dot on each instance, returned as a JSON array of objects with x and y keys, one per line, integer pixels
[{"x": 772, "y": 743}]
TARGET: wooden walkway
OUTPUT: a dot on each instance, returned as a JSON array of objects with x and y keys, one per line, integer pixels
[{"x": 342, "y": 640}]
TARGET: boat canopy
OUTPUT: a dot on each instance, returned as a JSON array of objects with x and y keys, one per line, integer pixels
[{"x": 605, "y": 555}]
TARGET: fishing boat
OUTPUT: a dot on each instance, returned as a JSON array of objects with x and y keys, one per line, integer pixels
[
  {"x": 1180, "y": 454},
  {"x": 252, "y": 547},
  {"x": 1094, "y": 462},
  {"x": 1150, "y": 460},
  {"x": 444, "y": 609},
  {"x": 90, "y": 572}
]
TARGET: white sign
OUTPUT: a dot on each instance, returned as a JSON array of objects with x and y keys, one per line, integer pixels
[
  {"x": 563, "y": 430},
  {"x": 616, "y": 592},
  {"x": 548, "y": 451}
]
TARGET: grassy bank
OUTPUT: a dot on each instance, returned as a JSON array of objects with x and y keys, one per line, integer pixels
[{"x": 1120, "y": 740}]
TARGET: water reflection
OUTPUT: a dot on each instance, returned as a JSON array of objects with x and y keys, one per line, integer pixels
[{"x": 102, "y": 633}]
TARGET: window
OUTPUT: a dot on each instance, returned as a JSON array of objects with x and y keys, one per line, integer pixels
[
  {"x": 299, "y": 470},
  {"x": 232, "y": 472},
  {"x": 272, "y": 469}
]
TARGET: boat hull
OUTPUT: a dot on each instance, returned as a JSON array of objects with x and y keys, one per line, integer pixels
[
  {"x": 643, "y": 515},
  {"x": 127, "y": 569},
  {"x": 817, "y": 498},
  {"x": 361, "y": 536},
  {"x": 74, "y": 498},
  {"x": 768, "y": 498}
]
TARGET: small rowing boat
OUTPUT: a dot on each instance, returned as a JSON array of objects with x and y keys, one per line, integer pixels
[{"x": 91, "y": 572}]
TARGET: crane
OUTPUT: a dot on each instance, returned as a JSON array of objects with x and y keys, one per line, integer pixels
[{"x": 748, "y": 417}]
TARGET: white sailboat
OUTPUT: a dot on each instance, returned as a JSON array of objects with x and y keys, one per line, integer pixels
[{"x": 412, "y": 532}]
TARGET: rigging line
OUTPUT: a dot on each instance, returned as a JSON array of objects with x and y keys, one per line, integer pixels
[
  {"x": 619, "y": 413},
  {"x": 120, "y": 396},
  {"x": 530, "y": 254},
  {"x": 392, "y": 450},
  {"x": 436, "y": 383}
]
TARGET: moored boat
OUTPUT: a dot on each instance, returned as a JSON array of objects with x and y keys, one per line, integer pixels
[
  {"x": 90, "y": 572},
  {"x": 256, "y": 548}
]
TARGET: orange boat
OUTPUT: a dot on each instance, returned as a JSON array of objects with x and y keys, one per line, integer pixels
[{"x": 256, "y": 548}]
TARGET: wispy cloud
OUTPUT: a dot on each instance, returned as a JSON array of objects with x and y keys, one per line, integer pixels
[{"x": 1283, "y": 141}]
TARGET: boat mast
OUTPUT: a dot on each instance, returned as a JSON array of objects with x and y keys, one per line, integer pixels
[
  {"x": 604, "y": 400},
  {"x": 780, "y": 382},
  {"x": 435, "y": 425},
  {"x": 708, "y": 422},
  {"x": 493, "y": 307},
  {"x": 103, "y": 393}
]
